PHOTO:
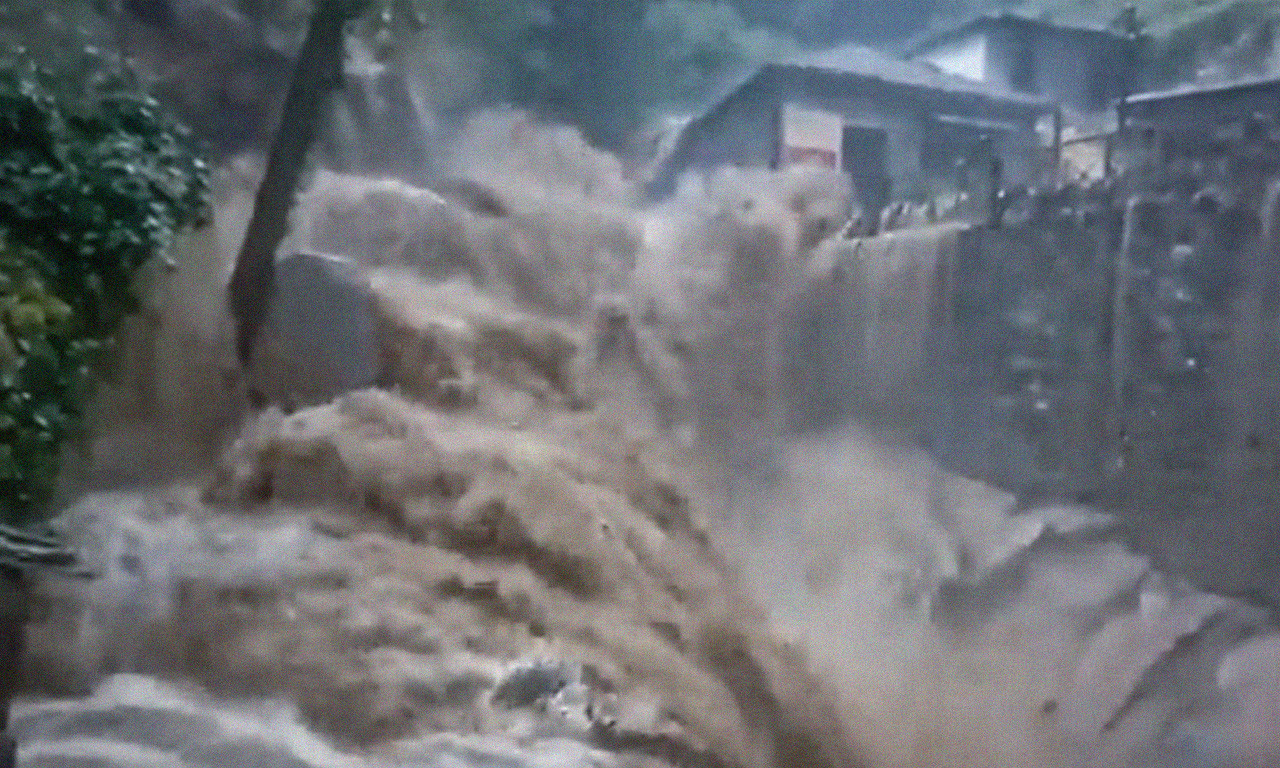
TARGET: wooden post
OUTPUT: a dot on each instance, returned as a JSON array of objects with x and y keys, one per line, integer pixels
[
  {"x": 1057, "y": 146},
  {"x": 13, "y": 619},
  {"x": 1109, "y": 142},
  {"x": 1108, "y": 149},
  {"x": 1123, "y": 304},
  {"x": 316, "y": 75},
  {"x": 996, "y": 200}
]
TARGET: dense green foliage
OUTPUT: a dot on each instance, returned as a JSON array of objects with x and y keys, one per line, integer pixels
[{"x": 95, "y": 181}]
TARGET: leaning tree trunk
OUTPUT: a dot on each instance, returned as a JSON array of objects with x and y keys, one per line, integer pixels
[{"x": 316, "y": 75}]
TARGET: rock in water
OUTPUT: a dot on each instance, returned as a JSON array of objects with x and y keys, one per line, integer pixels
[{"x": 321, "y": 334}]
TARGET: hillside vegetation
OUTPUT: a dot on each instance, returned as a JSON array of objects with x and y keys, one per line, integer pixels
[{"x": 1187, "y": 40}]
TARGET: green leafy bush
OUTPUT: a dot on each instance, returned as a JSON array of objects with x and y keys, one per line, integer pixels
[{"x": 95, "y": 181}]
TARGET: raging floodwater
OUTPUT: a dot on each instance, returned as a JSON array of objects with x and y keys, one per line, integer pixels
[
  {"x": 958, "y": 631},
  {"x": 567, "y": 531}
]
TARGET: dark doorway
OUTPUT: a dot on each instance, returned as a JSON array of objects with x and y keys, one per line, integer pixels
[
  {"x": 864, "y": 153},
  {"x": 1022, "y": 69}
]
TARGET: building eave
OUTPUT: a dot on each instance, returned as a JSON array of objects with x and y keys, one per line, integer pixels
[{"x": 1194, "y": 90}]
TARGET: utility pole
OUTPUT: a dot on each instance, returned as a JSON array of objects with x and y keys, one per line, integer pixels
[
  {"x": 21, "y": 551},
  {"x": 1131, "y": 28}
]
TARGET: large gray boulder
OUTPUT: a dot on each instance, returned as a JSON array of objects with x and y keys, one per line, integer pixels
[{"x": 321, "y": 334}]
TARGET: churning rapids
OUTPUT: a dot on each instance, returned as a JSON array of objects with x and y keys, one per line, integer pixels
[{"x": 544, "y": 488}]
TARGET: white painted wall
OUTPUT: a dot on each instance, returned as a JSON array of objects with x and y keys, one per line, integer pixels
[
  {"x": 899, "y": 122},
  {"x": 966, "y": 57},
  {"x": 810, "y": 136}
]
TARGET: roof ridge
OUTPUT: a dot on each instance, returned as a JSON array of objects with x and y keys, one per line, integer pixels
[{"x": 864, "y": 61}]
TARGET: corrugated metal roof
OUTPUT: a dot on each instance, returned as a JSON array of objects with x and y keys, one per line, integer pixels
[
  {"x": 868, "y": 63},
  {"x": 1199, "y": 89}
]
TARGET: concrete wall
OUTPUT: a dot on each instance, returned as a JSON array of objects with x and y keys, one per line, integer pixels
[
  {"x": 1078, "y": 71},
  {"x": 1081, "y": 71},
  {"x": 987, "y": 344},
  {"x": 900, "y": 121},
  {"x": 741, "y": 131}
]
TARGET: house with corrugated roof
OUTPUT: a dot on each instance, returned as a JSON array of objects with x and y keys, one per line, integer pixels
[
  {"x": 1083, "y": 69},
  {"x": 1194, "y": 122},
  {"x": 1203, "y": 107},
  {"x": 901, "y": 129}
]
